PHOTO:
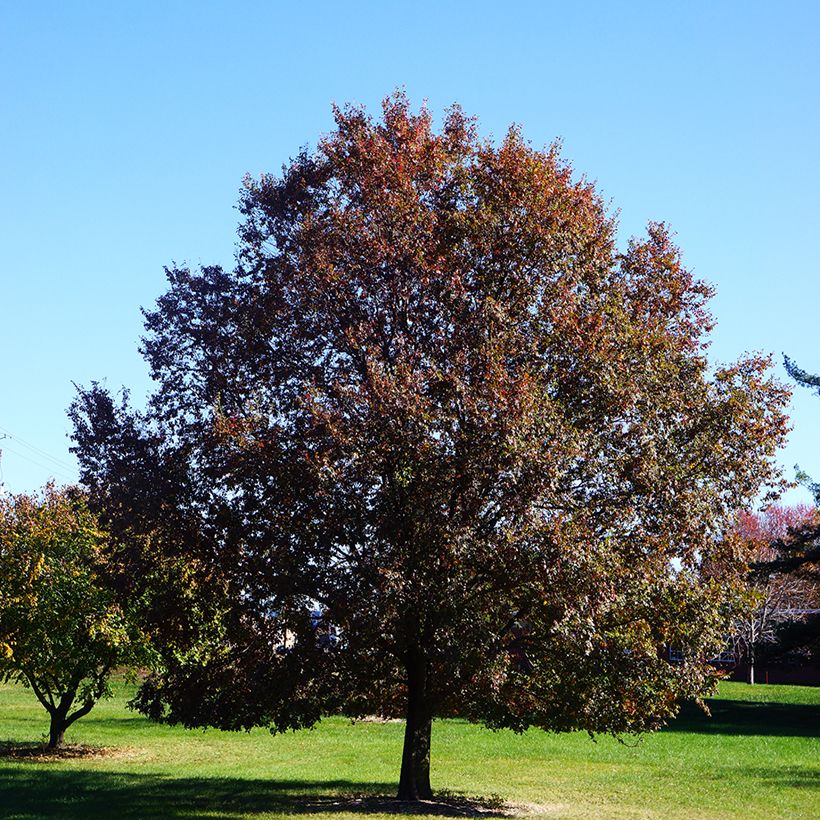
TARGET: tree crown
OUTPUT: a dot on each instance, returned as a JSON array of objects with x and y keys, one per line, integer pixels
[{"x": 435, "y": 398}]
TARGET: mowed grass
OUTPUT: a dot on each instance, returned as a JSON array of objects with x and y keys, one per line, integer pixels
[{"x": 757, "y": 756}]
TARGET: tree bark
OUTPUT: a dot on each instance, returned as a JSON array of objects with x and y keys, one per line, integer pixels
[
  {"x": 61, "y": 719},
  {"x": 56, "y": 732},
  {"x": 414, "y": 781},
  {"x": 58, "y": 710}
]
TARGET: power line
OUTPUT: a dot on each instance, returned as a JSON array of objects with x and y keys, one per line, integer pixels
[
  {"x": 2, "y": 480},
  {"x": 41, "y": 453},
  {"x": 44, "y": 466}
]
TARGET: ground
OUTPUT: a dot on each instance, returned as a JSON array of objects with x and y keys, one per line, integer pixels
[{"x": 757, "y": 756}]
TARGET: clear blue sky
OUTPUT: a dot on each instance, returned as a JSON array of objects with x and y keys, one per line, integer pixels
[{"x": 126, "y": 128}]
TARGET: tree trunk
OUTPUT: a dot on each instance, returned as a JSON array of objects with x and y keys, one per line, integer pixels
[
  {"x": 61, "y": 719},
  {"x": 56, "y": 732},
  {"x": 751, "y": 666},
  {"x": 414, "y": 782}
]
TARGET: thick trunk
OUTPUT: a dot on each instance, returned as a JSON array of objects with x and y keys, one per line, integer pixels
[
  {"x": 58, "y": 709},
  {"x": 56, "y": 732},
  {"x": 61, "y": 719},
  {"x": 414, "y": 782}
]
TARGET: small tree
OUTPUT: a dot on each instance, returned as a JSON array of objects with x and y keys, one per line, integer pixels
[
  {"x": 781, "y": 596},
  {"x": 61, "y": 631},
  {"x": 434, "y": 400},
  {"x": 799, "y": 552},
  {"x": 772, "y": 595}
]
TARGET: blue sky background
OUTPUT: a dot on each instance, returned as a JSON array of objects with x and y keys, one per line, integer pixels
[{"x": 126, "y": 128}]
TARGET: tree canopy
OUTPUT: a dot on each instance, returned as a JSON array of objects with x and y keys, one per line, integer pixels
[
  {"x": 62, "y": 631},
  {"x": 435, "y": 407}
]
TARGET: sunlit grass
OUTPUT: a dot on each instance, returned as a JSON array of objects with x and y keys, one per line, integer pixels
[{"x": 757, "y": 756}]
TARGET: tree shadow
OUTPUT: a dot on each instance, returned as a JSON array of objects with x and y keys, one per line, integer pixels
[
  {"x": 740, "y": 717},
  {"x": 28, "y": 792},
  {"x": 792, "y": 777}
]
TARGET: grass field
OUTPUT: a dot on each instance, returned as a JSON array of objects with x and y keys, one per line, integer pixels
[{"x": 758, "y": 756}]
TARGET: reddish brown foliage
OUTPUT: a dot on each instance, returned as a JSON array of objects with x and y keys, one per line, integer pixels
[{"x": 435, "y": 399}]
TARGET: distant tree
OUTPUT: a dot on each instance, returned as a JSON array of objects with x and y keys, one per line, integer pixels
[
  {"x": 62, "y": 632},
  {"x": 782, "y": 596},
  {"x": 436, "y": 403},
  {"x": 798, "y": 552}
]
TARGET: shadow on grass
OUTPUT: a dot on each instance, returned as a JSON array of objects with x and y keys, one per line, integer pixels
[
  {"x": 792, "y": 777},
  {"x": 29, "y": 792},
  {"x": 740, "y": 717}
]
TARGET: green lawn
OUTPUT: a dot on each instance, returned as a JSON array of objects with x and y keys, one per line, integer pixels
[{"x": 758, "y": 756}]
